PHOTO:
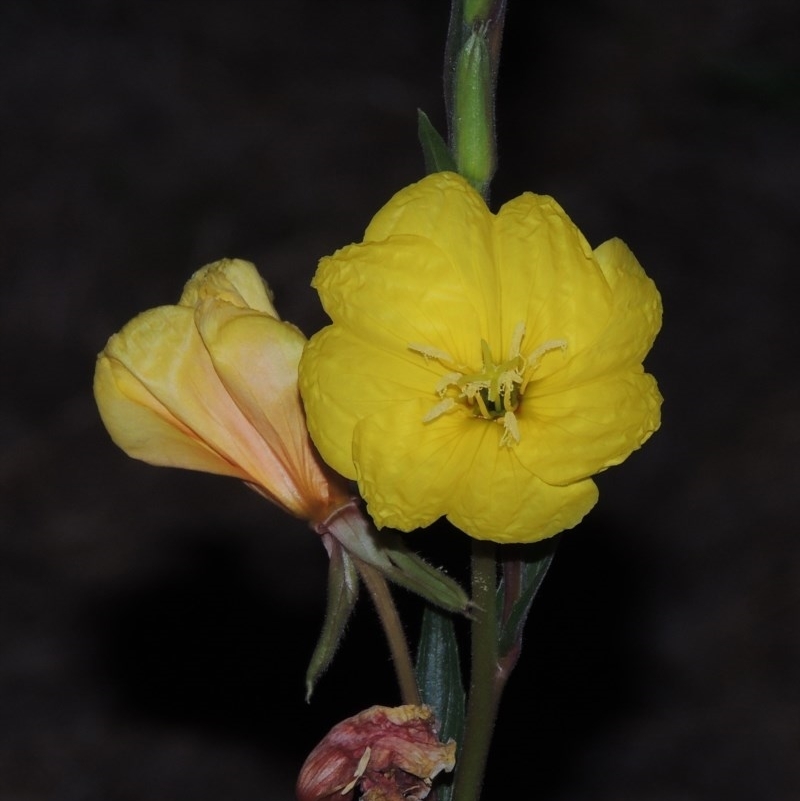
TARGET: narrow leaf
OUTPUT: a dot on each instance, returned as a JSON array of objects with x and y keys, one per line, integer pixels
[
  {"x": 438, "y": 157},
  {"x": 522, "y": 578},
  {"x": 342, "y": 596},
  {"x": 439, "y": 678}
]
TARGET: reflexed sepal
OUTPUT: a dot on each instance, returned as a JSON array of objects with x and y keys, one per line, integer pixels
[
  {"x": 342, "y": 596},
  {"x": 387, "y": 553}
]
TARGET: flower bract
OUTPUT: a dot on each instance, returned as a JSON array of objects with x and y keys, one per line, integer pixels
[
  {"x": 480, "y": 366},
  {"x": 211, "y": 384}
]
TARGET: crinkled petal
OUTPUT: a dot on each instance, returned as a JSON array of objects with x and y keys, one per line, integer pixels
[
  {"x": 635, "y": 320},
  {"x": 445, "y": 210},
  {"x": 499, "y": 499},
  {"x": 231, "y": 280},
  {"x": 570, "y": 435},
  {"x": 343, "y": 379},
  {"x": 157, "y": 392},
  {"x": 550, "y": 279},
  {"x": 256, "y": 358},
  {"x": 412, "y": 473},
  {"x": 408, "y": 471},
  {"x": 404, "y": 291}
]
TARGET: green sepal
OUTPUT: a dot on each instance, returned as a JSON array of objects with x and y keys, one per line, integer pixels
[
  {"x": 387, "y": 553},
  {"x": 438, "y": 157},
  {"x": 524, "y": 569},
  {"x": 414, "y": 573},
  {"x": 439, "y": 678},
  {"x": 342, "y": 596}
]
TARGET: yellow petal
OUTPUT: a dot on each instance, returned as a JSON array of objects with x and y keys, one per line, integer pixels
[
  {"x": 402, "y": 291},
  {"x": 343, "y": 379},
  {"x": 571, "y": 434},
  {"x": 145, "y": 429},
  {"x": 159, "y": 397},
  {"x": 408, "y": 470},
  {"x": 411, "y": 474},
  {"x": 233, "y": 281},
  {"x": 256, "y": 358},
  {"x": 632, "y": 327},
  {"x": 550, "y": 280},
  {"x": 446, "y": 211},
  {"x": 499, "y": 500}
]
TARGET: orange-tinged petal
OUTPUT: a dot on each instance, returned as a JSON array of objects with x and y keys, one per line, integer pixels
[
  {"x": 145, "y": 429},
  {"x": 162, "y": 350},
  {"x": 256, "y": 358}
]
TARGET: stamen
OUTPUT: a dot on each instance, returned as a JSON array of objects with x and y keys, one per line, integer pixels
[
  {"x": 510, "y": 430},
  {"x": 516, "y": 340},
  {"x": 546, "y": 347},
  {"x": 439, "y": 409},
  {"x": 495, "y": 391},
  {"x": 430, "y": 352},
  {"x": 446, "y": 381}
]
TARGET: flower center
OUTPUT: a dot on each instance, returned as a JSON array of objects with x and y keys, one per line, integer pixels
[{"x": 495, "y": 391}]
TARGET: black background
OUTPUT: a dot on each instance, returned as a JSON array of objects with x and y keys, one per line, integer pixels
[{"x": 155, "y": 624}]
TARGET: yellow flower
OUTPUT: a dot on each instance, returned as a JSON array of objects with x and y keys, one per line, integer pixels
[
  {"x": 480, "y": 366},
  {"x": 211, "y": 385}
]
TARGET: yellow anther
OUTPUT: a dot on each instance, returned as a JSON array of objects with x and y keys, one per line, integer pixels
[{"x": 493, "y": 393}]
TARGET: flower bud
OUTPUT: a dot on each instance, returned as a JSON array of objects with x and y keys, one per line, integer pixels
[{"x": 473, "y": 120}]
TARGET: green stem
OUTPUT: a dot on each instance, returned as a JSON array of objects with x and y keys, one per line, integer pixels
[
  {"x": 484, "y": 695},
  {"x": 393, "y": 629}
]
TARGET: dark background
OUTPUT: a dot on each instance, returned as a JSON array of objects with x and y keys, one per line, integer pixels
[{"x": 155, "y": 624}]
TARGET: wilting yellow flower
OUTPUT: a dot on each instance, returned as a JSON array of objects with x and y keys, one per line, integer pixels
[
  {"x": 388, "y": 753},
  {"x": 480, "y": 366},
  {"x": 211, "y": 385}
]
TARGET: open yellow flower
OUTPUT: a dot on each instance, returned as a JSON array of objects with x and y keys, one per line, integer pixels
[
  {"x": 480, "y": 366},
  {"x": 211, "y": 385}
]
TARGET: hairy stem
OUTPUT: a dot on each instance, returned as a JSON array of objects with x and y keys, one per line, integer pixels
[{"x": 393, "y": 629}]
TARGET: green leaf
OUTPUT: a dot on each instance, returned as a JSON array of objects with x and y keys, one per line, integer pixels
[
  {"x": 523, "y": 573},
  {"x": 438, "y": 157},
  {"x": 439, "y": 679},
  {"x": 342, "y": 596}
]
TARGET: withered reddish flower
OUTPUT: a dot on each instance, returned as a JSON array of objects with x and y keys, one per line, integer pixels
[{"x": 389, "y": 753}]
